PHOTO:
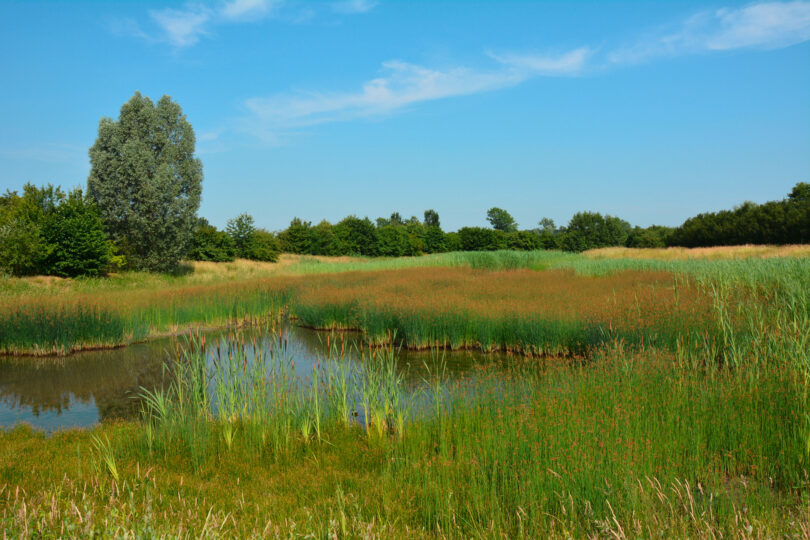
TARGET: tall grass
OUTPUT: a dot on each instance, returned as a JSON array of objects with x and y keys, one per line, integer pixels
[
  {"x": 246, "y": 393},
  {"x": 551, "y": 313},
  {"x": 533, "y": 302},
  {"x": 57, "y": 325},
  {"x": 709, "y": 439},
  {"x": 631, "y": 442}
]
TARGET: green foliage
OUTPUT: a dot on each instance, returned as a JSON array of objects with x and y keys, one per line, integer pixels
[
  {"x": 20, "y": 239},
  {"x": 45, "y": 232},
  {"x": 262, "y": 246},
  {"x": 394, "y": 236},
  {"x": 431, "y": 218},
  {"x": 324, "y": 241},
  {"x": 453, "y": 241},
  {"x": 435, "y": 240},
  {"x": 655, "y": 236},
  {"x": 591, "y": 230},
  {"x": 211, "y": 244},
  {"x": 501, "y": 220},
  {"x": 21, "y": 246},
  {"x": 481, "y": 239},
  {"x": 74, "y": 234},
  {"x": 393, "y": 241},
  {"x": 297, "y": 238},
  {"x": 546, "y": 224},
  {"x": 241, "y": 230},
  {"x": 776, "y": 222},
  {"x": 523, "y": 241},
  {"x": 21, "y": 220},
  {"x": 250, "y": 242},
  {"x": 357, "y": 236},
  {"x": 416, "y": 236},
  {"x": 147, "y": 182}
]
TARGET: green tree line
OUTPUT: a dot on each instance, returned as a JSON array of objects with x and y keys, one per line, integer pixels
[
  {"x": 139, "y": 211},
  {"x": 778, "y": 222}
]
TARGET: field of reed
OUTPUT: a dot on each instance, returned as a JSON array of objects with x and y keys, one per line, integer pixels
[
  {"x": 676, "y": 405},
  {"x": 628, "y": 444},
  {"x": 554, "y": 312},
  {"x": 532, "y": 303}
]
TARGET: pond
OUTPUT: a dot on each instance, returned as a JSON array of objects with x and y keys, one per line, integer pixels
[{"x": 85, "y": 388}]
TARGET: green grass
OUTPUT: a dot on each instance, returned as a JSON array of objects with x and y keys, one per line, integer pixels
[
  {"x": 703, "y": 434},
  {"x": 106, "y": 312},
  {"x": 628, "y": 444}
]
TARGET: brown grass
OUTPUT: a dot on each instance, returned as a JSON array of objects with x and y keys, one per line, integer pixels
[{"x": 718, "y": 252}]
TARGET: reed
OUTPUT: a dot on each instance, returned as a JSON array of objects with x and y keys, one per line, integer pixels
[
  {"x": 466, "y": 300},
  {"x": 631, "y": 442},
  {"x": 688, "y": 417}
]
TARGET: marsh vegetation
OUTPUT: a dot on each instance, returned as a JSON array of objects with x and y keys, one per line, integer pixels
[{"x": 659, "y": 395}]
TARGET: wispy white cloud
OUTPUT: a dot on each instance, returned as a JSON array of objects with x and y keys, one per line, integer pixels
[
  {"x": 187, "y": 25},
  {"x": 354, "y": 6},
  {"x": 768, "y": 25},
  {"x": 245, "y": 9},
  {"x": 569, "y": 63},
  {"x": 182, "y": 27},
  {"x": 400, "y": 85}
]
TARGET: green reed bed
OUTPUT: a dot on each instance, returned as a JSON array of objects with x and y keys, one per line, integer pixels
[
  {"x": 59, "y": 326},
  {"x": 587, "y": 450},
  {"x": 629, "y": 443},
  {"x": 49, "y": 330},
  {"x": 750, "y": 299},
  {"x": 106, "y": 315},
  {"x": 206, "y": 308},
  {"x": 245, "y": 393},
  {"x": 527, "y": 334}
]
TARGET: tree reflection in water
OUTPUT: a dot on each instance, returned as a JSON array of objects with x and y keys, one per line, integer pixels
[{"x": 82, "y": 389}]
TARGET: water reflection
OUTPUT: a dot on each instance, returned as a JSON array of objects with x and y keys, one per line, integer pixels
[{"x": 93, "y": 386}]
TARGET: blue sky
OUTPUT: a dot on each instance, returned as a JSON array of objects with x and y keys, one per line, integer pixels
[{"x": 652, "y": 111}]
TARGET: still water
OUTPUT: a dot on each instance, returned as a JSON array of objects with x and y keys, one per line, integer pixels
[{"x": 95, "y": 386}]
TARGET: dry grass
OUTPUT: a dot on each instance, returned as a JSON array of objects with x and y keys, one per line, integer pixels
[
  {"x": 631, "y": 296},
  {"x": 550, "y": 312},
  {"x": 244, "y": 269},
  {"x": 685, "y": 254}
]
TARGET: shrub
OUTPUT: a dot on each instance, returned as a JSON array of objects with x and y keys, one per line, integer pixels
[
  {"x": 43, "y": 231},
  {"x": 435, "y": 240},
  {"x": 481, "y": 239},
  {"x": 523, "y": 241},
  {"x": 590, "y": 230},
  {"x": 357, "y": 236},
  {"x": 210, "y": 244},
  {"x": 76, "y": 242},
  {"x": 324, "y": 241},
  {"x": 262, "y": 246},
  {"x": 297, "y": 238},
  {"x": 394, "y": 241}
]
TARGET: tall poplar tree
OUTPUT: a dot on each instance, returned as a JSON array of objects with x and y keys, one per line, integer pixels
[{"x": 147, "y": 182}]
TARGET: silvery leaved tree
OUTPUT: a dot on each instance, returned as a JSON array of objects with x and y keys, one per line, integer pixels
[{"x": 147, "y": 182}]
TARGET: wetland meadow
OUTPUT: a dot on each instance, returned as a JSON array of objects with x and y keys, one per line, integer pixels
[
  {"x": 419, "y": 269},
  {"x": 507, "y": 394}
]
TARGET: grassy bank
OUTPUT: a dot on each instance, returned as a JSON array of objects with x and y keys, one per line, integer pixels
[
  {"x": 529, "y": 302},
  {"x": 628, "y": 445}
]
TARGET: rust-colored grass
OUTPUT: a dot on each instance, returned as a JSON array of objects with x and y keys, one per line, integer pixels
[{"x": 533, "y": 312}]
